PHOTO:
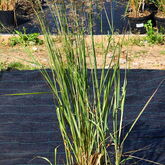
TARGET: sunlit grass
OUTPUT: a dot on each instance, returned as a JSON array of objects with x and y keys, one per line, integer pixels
[
  {"x": 15, "y": 66},
  {"x": 88, "y": 98},
  {"x": 87, "y": 102}
]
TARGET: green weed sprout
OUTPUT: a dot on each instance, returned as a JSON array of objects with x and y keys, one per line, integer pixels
[
  {"x": 153, "y": 37},
  {"x": 25, "y": 39}
]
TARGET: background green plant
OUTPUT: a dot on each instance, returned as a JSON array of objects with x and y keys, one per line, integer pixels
[
  {"x": 135, "y": 7},
  {"x": 161, "y": 5},
  {"x": 25, "y": 39},
  {"x": 153, "y": 36},
  {"x": 15, "y": 66}
]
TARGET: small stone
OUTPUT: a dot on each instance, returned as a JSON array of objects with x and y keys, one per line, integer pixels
[
  {"x": 45, "y": 59},
  {"x": 123, "y": 61},
  {"x": 135, "y": 64},
  {"x": 34, "y": 65},
  {"x": 32, "y": 43},
  {"x": 109, "y": 55},
  {"x": 35, "y": 49},
  {"x": 107, "y": 67}
]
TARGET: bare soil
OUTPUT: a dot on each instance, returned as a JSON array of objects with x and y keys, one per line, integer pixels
[
  {"x": 138, "y": 14},
  {"x": 138, "y": 57},
  {"x": 160, "y": 14}
]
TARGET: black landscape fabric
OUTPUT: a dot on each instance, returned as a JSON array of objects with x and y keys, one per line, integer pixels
[
  {"x": 29, "y": 127},
  {"x": 113, "y": 12}
]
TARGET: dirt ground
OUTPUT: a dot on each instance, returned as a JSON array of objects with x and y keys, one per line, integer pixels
[{"x": 138, "y": 57}]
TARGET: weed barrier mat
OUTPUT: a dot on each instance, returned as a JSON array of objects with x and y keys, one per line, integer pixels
[{"x": 29, "y": 127}]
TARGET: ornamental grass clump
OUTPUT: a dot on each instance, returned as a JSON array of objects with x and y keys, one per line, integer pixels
[{"x": 85, "y": 101}]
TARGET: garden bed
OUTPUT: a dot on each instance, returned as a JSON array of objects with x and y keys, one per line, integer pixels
[{"x": 140, "y": 54}]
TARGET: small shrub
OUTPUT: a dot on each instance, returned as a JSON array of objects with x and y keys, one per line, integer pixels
[
  {"x": 25, "y": 39},
  {"x": 16, "y": 66},
  {"x": 153, "y": 36}
]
